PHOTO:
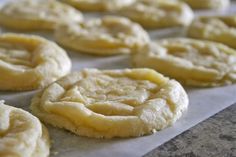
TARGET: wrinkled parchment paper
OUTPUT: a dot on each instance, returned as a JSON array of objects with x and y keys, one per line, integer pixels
[{"x": 204, "y": 102}]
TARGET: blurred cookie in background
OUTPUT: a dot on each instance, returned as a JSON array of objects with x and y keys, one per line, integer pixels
[
  {"x": 207, "y": 4},
  {"x": 215, "y": 28},
  {"x": 98, "y": 5},
  {"x": 192, "y": 62},
  {"x": 28, "y": 15},
  {"x": 107, "y": 35},
  {"x": 153, "y": 14}
]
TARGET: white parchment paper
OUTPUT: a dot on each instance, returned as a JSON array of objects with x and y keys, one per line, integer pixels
[{"x": 204, "y": 102}]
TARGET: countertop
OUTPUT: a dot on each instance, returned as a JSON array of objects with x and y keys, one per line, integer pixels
[{"x": 214, "y": 137}]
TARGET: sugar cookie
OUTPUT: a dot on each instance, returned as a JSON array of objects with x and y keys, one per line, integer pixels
[
  {"x": 207, "y": 4},
  {"x": 29, "y": 62},
  {"x": 21, "y": 134},
  {"x": 111, "y": 103},
  {"x": 37, "y": 14},
  {"x": 98, "y": 5},
  {"x": 216, "y": 28},
  {"x": 103, "y": 36},
  {"x": 193, "y": 62},
  {"x": 153, "y": 14}
]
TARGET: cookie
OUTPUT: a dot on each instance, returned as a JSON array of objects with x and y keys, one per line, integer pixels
[
  {"x": 153, "y": 14},
  {"x": 29, "y": 62},
  {"x": 103, "y": 36},
  {"x": 98, "y": 5},
  {"x": 22, "y": 134},
  {"x": 215, "y": 28},
  {"x": 111, "y": 103},
  {"x": 37, "y": 15},
  {"x": 207, "y": 4},
  {"x": 193, "y": 62}
]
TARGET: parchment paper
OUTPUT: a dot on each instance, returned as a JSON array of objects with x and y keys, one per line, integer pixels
[{"x": 204, "y": 102}]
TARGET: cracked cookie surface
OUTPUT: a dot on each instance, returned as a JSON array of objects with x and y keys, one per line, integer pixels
[{"x": 111, "y": 103}]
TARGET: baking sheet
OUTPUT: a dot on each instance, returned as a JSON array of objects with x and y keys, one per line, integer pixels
[{"x": 204, "y": 102}]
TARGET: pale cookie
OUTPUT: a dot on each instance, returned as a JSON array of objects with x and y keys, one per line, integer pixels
[
  {"x": 37, "y": 14},
  {"x": 193, "y": 62},
  {"x": 216, "y": 28},
  {"x": 111, "y": 103},
  {"x": 153, "y": 14},
  {"x": 29, "y": 62},
  {"x": 21, "y": 134},
  {"x": 99, "y": 5},
  {"x": 207, "y": 4},
  {"x": 103, "y": 36}
]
